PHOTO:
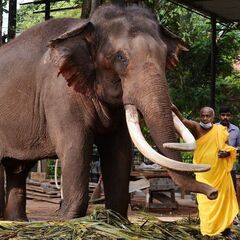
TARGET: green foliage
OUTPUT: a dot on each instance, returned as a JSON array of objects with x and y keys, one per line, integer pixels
[
  {"x": 26, "y": 17},
  {"x": 189, "y": 82},
  {"x": 187, "y": 157},
  {"x": 51, "y": 169},
  {"x": 228, "y": 79}
]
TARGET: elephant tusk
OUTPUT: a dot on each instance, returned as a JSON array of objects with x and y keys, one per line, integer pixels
[
  {"x": 149, "y": 152},
  {"x": 189, "y": 141}
]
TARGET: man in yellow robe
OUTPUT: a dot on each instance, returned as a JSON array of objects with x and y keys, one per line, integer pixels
[{"x": 216, "y": 216}]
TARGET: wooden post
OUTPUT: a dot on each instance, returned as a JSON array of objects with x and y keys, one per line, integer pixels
[
  {"x": 47, "y": 10},
  {"x": 12, "y": 19}
]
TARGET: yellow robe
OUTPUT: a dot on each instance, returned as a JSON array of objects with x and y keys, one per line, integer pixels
[{"x": 216, "y": 215}]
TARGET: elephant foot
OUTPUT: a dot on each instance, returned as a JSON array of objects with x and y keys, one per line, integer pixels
[
  {"x": 66, "y": 214},
  {"x": 17, "y": 219},
  {"x": 70, "y": 211},
  {"x": 69, "y": 215},
  {"x": 12, "y": 217}
]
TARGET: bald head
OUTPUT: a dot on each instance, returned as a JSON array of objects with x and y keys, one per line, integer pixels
[
  {"x": 208, "y": 110},
  {"x": 206, "y": 117}
]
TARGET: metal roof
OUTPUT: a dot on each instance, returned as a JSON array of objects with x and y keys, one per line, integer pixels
[{"x": 223, "y": 10}]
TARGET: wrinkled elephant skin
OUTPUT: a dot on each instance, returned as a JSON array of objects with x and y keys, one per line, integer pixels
[{"x": 64, "y": 84}]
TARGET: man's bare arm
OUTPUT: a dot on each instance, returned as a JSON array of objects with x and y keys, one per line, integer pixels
[{"x": 188, "y": 123}]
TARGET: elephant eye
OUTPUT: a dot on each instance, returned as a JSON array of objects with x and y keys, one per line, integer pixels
[
  {"x": 120, "y": 57},
  {"x": 120, "y": 61}
]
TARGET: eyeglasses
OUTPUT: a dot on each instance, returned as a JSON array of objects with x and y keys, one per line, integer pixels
[{"x": 225, "y": 114}]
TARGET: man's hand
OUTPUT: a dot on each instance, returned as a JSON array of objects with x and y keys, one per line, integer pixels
[
  {"x": 223, "y": 154},
  {"x": 177, "y": 112},
  {"x": 174, "y": 108}
]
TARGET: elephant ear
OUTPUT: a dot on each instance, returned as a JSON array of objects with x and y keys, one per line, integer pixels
[
  {"x": 71, "y": 54},
  {"x": 174, "y": 46}
]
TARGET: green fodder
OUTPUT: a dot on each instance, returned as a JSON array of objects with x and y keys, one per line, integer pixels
[{"x": 104, "y": 225}]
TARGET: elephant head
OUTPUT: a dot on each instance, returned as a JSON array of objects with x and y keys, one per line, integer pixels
[{"x": 118, "y": 57}]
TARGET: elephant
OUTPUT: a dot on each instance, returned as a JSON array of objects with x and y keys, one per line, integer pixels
[{"x": 67, "y": 84}]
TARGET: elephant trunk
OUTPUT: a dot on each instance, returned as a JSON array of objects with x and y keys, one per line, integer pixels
[
  {"x": 158, "y": 119},
  {"x": 154, "y": 104},
  {"x": 189, "y": 184}
]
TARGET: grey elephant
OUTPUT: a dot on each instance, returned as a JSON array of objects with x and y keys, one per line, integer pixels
[{"x": 66, "y": 85}]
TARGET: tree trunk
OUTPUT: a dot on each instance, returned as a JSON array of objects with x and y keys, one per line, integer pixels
[
  {"x": 12, "y": 19},
  {"x": 86, "y": 8},
  {"x": 94, "y": 6},
  {"x": 89, "y": 6}
]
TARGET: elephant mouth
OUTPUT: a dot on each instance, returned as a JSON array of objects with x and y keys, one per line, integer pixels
[{"x": 142, "y": 145}]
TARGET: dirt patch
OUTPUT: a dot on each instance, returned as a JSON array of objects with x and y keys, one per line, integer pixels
[{"x": 43, "y": 211}]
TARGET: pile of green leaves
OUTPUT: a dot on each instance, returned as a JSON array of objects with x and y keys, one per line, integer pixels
[{"x": 103, "y": 224}]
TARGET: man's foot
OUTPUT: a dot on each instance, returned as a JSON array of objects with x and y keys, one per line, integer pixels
[
  {"x": 228, "y": 234},
  {"x": 206, "y": 237},
  {"x": 236, "y": 221},
  {"x": 232, "y": 236}
]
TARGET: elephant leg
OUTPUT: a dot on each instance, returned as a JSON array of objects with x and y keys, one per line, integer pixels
[
  {"x": 116, "y": 154},
  {"x": 75, "y": 163},
  {"x": 2, "y": 190},
  {"x": 16, "y": 174}
]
